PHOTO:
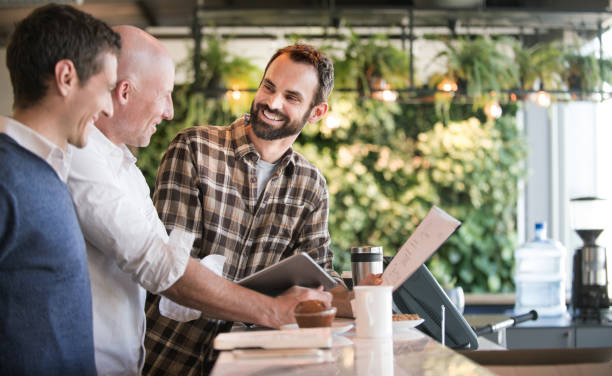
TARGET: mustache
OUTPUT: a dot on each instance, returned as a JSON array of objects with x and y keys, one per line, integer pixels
[{"x": 261, "y": 106}]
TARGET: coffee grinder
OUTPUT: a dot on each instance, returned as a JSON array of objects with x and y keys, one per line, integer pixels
[{"x": 590, "y": 279}]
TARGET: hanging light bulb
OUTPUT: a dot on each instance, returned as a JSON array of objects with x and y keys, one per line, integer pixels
[
  {"x": 493, "y": 110},
  {"x": 447, "y": 85},
  {"x": 332, "y": 121},
  {"x": 383, "y": 91},
  {"x": 235, "y": 93},
  {"x": 389, "y": 96},
  {"x": 542, "y": 98}
]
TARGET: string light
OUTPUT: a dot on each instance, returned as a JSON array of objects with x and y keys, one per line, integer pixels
[
  {"x": 383, "y": 92},
  {"x": 493, "y": 110},
  {"x": 389, "y": 96},
  {"x": 236, "y": 94},
  {"x": 542, "y": 98},
  {"x": 447, "y": 85},
  {"x": 332, "y": 121}
]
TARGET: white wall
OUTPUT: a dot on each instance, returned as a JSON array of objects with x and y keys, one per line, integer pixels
[{"x": 569, "y": 156}]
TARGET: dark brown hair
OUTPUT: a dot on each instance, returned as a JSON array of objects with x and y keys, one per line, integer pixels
[
  {"x": 304, "y": 53},
  {"x": 49, "y": 34}
]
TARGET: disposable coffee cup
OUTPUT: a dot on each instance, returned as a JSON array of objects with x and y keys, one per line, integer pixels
[{"x": 366, "y": 260}]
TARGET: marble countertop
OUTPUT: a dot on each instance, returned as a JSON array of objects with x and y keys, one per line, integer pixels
[{"x": 410, "y": 352}]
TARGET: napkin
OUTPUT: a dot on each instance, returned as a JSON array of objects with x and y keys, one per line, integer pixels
[{"x": 180, "y": 313}]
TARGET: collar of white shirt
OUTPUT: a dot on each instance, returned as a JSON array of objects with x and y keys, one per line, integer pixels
[
  {"x": 119, "y": 155},
  {"x": 31, "y": 140}
]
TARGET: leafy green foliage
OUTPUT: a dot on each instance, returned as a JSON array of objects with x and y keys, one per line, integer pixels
[
  {"x": 364, "y": 61},
  {"x": 582, "y": 72},
  {"x": 482, "y": 64},
  {"x": 543, "y": 62},
  {"x": 386, "y": 164}
]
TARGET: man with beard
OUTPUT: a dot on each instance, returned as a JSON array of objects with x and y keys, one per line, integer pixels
[
  {"x": 128, "y": 249},
  {"x": 246, "y": 195}
]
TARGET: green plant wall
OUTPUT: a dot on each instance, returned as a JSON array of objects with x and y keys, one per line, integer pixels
[{"x": 386, "y": 164}]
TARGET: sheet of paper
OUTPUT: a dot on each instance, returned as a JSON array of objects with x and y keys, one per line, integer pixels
[
  {"x": 429, "y": 235},
  {"x": 275, "y": 339}
]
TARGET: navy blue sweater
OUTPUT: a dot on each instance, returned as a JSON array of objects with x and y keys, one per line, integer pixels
[{"x": 45, "y": 297}]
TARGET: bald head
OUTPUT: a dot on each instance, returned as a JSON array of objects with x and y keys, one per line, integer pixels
[
  {"x": 140, "y": 50},
  {"x": 143, "y": 96}
]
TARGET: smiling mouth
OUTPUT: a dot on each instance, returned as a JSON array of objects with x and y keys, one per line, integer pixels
[{"x": 271, "y": 116}]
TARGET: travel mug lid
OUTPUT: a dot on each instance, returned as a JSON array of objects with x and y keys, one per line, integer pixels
[{"x": 367, "y": 249}]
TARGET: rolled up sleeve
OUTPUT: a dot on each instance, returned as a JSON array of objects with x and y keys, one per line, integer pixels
[{"x": 121, "y": 222}]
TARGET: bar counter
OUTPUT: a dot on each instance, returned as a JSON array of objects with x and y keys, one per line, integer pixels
[{"x": 410, "y": 352}]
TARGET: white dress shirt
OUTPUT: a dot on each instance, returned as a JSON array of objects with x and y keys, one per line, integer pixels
[
  {"x": 31, "y": 140},
  {"x": 127, "y": 249}
]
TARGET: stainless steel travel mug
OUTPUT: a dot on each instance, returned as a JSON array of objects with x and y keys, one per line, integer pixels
[{"x": 366, "y": 260}]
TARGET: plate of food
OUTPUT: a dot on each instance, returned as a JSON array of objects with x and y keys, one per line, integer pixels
[{"x": 403, "y": 321}]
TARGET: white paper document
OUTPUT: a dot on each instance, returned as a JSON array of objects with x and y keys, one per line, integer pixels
[
  {"x": 275, "y": 339},
  {"x": 430, "y": 234}
]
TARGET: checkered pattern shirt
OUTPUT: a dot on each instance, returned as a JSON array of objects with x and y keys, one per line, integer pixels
[{"x": 207, "y": 184}]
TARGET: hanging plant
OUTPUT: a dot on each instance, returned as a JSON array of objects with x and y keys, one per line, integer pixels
[
  {"x": 582, "y": 74},
  {"x": 540, "y": 67},
  {"x": 480, "y": 66},
  {"x": 371, "y": 64},
  {"x": 220, "y": 70}
]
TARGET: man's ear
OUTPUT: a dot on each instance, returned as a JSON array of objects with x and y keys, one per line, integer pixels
[
  {"x": 66, "y": 77},
  {"x": 123, "y": 91},
  {"x": 318, "y": 112}
]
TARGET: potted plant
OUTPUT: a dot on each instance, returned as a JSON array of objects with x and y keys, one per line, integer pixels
[
  {"x": 540, "y": 66},
  {"x": 371, "y": 64},
  {"x": 479, "y": 66},
  {"x": 582, "y": 73},
  {"x": 221, "y": 70}
]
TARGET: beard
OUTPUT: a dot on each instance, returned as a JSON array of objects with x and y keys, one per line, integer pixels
[{"x": 268, "y": 132}]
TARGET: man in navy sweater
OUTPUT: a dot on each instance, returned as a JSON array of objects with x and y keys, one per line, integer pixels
[{"x": 63, "y": 65}]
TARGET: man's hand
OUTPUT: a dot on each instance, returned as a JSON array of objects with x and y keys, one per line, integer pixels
[
  {"x": 371, "y": 280},
  {"x": 285, "y": 303},
  {"x": 343, "y": 297}
]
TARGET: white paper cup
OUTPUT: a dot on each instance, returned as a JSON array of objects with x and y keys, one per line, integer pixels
[{"x": 372, "y": 311}]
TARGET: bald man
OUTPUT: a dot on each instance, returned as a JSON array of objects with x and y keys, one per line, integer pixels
[{"x": 128, "y": 249}]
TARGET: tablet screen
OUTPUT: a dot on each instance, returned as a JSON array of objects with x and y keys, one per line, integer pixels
[{"x": 298, "y": 270}]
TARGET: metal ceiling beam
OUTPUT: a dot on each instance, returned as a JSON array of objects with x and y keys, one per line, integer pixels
[
  {"x": 148, "y": 13},
  {"x": 379, "y": 16}
]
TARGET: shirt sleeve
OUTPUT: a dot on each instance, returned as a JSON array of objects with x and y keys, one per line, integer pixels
[
  {"x": 124, "y": 226},
  {"x": 176, "y": 196},
  {"x": 315, "y": 239}
]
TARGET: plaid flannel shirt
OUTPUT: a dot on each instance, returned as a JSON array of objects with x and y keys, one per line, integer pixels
[{"x": 207, "y": 184}]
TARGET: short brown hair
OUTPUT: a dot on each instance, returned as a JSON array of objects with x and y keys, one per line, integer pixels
[
  {"x": 305, "y": 53},
  {"x": 49, "y": 34}
]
